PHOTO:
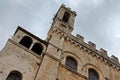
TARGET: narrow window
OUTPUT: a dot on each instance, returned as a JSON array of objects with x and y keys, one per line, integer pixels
[
  {"x": 37, "y": 48},
  {"x": 66, "y": 17},
  {"x": 71, "y": 63},
  {"x": 14, "y": 75},
  {"x": 93, "y": 75},
  {"x": 26, "y": 41}
]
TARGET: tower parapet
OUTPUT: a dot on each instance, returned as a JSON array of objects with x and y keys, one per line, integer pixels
[
  {"x": 64, "y": 19},
  {"x": 103, "y": 52},
  {"x": 90, "y": 47},
  {"x": 115, "y": 59},
  {"x": 80, "y": 38}
]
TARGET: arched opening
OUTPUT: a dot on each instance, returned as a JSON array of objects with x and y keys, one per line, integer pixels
[
  {"x": 26, "y": 41},
  {"x": 92, "y": 75},
  {"x": 37, "y": 48},
  {"x": 71, "y": 63},
  {"x": 14, "y": 75},
  {"x": 66, "y": 17}
]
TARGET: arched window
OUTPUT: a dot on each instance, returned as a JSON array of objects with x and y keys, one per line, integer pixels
[
  {"x": 93, "y": 75},
  {"x": 37, "y": 48},
  {"x": 14, "y": 75},
  {"x": 71, "y": 63},
  {"x": 66, "y": 17},
  {"x": 26, "y": 41}
]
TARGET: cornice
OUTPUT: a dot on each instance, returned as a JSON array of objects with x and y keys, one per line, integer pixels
[{"x": 93, "y": 52}]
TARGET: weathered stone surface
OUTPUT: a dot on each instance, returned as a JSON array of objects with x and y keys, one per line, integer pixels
[{"x": 51, "y": 63}]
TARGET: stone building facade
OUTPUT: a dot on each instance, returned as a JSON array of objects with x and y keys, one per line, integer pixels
[{"x": 61, "y": 56}]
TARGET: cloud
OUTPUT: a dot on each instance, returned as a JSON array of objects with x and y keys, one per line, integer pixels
[
  {"x": 97, "y": 20},
  {"x": 70, "y": 3},
  {"x": 97, "y": 2},
  {"x": 93, "y": 23}
]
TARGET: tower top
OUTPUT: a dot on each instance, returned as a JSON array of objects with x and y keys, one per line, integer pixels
[
  {"x": 68, "y": 8},
  {"x": 64, "y": 19}
]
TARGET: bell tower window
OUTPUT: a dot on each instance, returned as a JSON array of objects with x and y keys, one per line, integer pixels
[
  {"x": 37, "y": 48},
  {"x": 26, "y": 41},
  {"x": 66, "y": 17}
]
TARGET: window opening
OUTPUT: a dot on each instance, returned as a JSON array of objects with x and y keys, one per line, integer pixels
[
  {"x": 93, "y": 75},
  {"x": 26, "y": 41},
  {"x": 70, "y": 62},
  {"x": 66, "y": 17},
  {"x": 14, "y": 75},
  {"x": 37, "y": 48}
]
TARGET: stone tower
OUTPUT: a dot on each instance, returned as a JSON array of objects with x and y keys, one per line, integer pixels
[{"x": 62, "y": 56}]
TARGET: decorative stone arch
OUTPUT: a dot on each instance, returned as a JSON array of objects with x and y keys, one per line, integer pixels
[
  {"x": 26, "y": 41},
  {"x": 71, "y": 63},
  {"x": 14, "y": 75},
  {"x": 38, "y": 48},
  {"x": 88, "y": 66},
  {"x": 66, "y": 54}
]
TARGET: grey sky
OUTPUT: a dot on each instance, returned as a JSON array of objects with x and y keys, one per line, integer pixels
[{"x": 97, "y": 20}]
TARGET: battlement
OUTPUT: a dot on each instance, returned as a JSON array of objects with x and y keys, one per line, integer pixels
[
  {"x": 65, "y": 28},
  {"x": 79, "y": 40},
  {"x": 90, "y": 45},
  {"x": 68, "y": 8}
]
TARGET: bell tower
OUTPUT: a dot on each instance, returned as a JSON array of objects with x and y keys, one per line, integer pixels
[
  {"x": 65, "y": 18},
  {"x": 62, "y": 26},
  {"x": 62, "y": 21}
]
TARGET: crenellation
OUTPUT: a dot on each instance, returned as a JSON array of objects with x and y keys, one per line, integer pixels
[
  {"x": 85, "y": 44},
  {"x": 115, "y": 59},
  {"x": 63, "y": 5},
  {"x": 92, "y": 45},
  {"x": 90, "y": 48},
  {"x": 68, "y": 8},
  {"x": 62, "y": 56},
  {"x": 74, "y": 12},
  {"x": 103, "y": 52},
  {"x": 80, "y": 38}
]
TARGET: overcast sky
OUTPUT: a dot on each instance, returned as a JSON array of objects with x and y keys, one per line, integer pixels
[{"x": 97, "y": 20}]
